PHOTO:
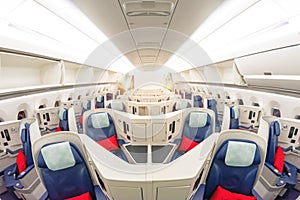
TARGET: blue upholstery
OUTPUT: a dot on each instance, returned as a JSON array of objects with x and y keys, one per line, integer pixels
[
  {"x": 86, "y": 105},
  {"x": 234, "y": 119},
  {"x": 109, "y": 96},
  {"x": 212, "y": 105},
  {"x": 63, "y": 120},
  {"x": 235, "y": 179},
  {"x": 99, "y": 102},
  {"x": 98, "y": 134},
  {"x": 198, "y": 101},
  {"x": 197, "y": 134},
  {"x": 273, "y": 141},
  {"x": 69, "y": 182},
  {"x": 188, "y": 95},
  {"x": 289, "y": 180},
  {"x": 11, "y": 176}
]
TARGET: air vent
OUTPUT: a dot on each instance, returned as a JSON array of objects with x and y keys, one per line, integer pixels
[{"x": 148, "y": 8}]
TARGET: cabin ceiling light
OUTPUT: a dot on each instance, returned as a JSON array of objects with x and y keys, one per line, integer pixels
[
  {"x": 47, "y": 27},
  {"x": 178, "y": 64},
  {"x": 148, "y": 8},
  {"x": 122, "y": 65}
]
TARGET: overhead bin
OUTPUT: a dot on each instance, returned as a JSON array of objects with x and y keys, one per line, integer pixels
[
  {"x": 20, "y": 71},
  {"x": 277, "y": 68}
]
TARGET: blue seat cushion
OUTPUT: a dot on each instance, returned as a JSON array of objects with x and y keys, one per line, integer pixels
[
  {"x": 235, "y": 179},
  {"x": 69, "y": 182}
]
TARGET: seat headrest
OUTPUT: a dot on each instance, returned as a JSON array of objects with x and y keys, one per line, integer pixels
[
  {"x": 211, "y": 102},
  {"x": 197, "y": 98},
  {"x": 234, "y": 114},
  {"x": 99, "y": 98},
  {"x": 117, "y": 105},
  {"x": 58, "y": 156},
  {"x": 275, "y": 126},
  {"x": 86, "y": 104},
  {"x": 99, "y": 120},
  {"x": 197, "y": 119},
  {"x": 181, "y": 105},
  {"x": 62, "y": 114},
  {"x": 22, "y": 132},
  {"x": 240, "y": 154}
]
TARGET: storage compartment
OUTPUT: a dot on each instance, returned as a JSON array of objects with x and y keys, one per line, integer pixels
[
  {"x": 276, "y": 69},
  {"x": 19, "y": 71}
]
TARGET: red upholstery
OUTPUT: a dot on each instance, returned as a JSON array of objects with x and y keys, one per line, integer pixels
[
  {"x": 110, "y": 143},
  {"x": 81, "y": 119},
  {"x": 84, "y": 196},
  {"x": 58, "y": 129},
  {"x": 187, "y": 144},
  {"x": 279, "y": 159},
  {"x": 21, "y": 161},
  {"x": 223, "y": 194}
]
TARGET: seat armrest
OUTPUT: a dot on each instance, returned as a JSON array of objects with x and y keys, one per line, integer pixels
[
  {"x": 290, "y": 148},
  {"x": 199, "y": 195},
  {"x": 121, "y": 142},
  {"x": 273, "y": 169},
  {"x": 99, "y": 193},
  {"x": 177, "y": 141},
  {"x": 12, "y": 151},
  {"x": 28, "y": 169},
  {"x": 258, "y": 197}
]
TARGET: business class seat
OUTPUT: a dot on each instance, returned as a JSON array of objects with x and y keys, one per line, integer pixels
[
  {"x": 67, "y": 120},
  {"x": 212, "y": 105},
  {"x": 277, "y": 173},
  {"x": 64, "y": 168},
  {"x": 63, "y": 120},
  {"x": 234, "y": 167},
  {"x": 86, "y": 105},
  {"x": 99, "y": 102},
  {"x": 100, "y": 127},
  {"x": 234, "y": 117},
  {"x": 197, "y": 127},
  {"x": 198, "y": 101},
  {"x": 21, "y": 177},
  {"x": 117, "y": 105},
  {"x": 181, "y": 104}
]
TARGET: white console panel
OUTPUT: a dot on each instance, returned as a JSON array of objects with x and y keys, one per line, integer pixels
[{"x": 149, "y": 181}]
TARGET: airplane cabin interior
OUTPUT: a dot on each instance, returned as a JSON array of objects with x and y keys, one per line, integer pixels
[{"x": 149, "y": 100}]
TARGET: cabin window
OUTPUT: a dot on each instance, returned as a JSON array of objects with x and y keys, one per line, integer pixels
[
  {"x": 297, "y": 117},
  {"x": 276, "y": 112},
  {"x": 1, "y": 119},
  {"x": 70, "y": 98},
  {"x": 255, "y": 104},
  {"x": 42, "y": 106},
  {"x": 21, "y": 115},
  {"x": 227, "y": 97},
  {"x": 240, "y": 101},
  {"x": 57, "y": 103}
]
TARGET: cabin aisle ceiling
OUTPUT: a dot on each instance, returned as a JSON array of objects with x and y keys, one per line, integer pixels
[{"x": 148, "y": 23}]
